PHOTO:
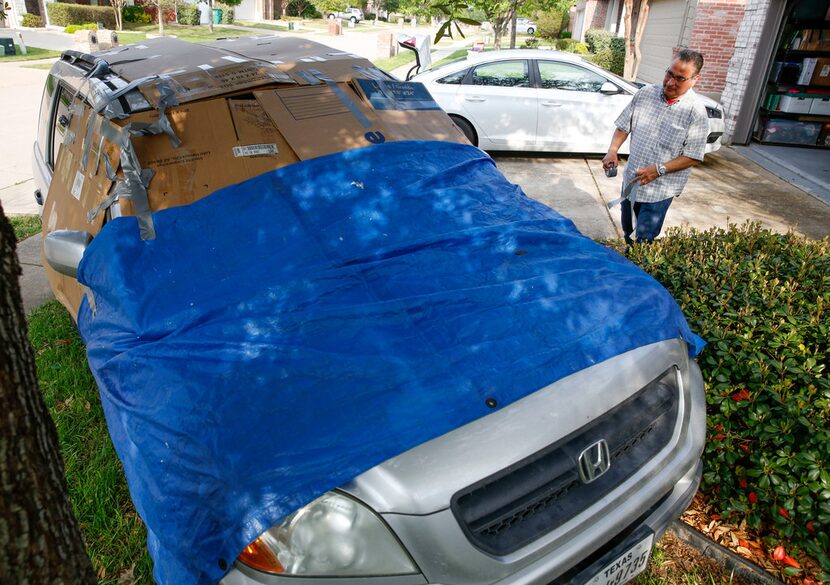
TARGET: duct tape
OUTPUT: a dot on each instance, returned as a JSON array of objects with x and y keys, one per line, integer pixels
[
  {"x": 338, "y": 91},
  {"x": 69, "y": 137},
  {"x": 626, "y": 194},
  {"x": 92, "y": 123},
  {"x": 373, "y": 73},
  {"x": 98, "y": 157},
  {"x": 90, "y": 299},
  {"x": 310, "y": 79}
]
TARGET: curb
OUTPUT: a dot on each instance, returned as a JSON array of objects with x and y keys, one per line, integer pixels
[{"x": 732, "y": 562}]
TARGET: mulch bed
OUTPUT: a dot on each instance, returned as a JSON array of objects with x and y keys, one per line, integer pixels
[{"x": 749, "y": 545}]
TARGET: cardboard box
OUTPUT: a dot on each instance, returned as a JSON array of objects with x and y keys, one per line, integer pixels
[
  {"x": 794, "y": 104},
  {"x": 791, "y": 132},
  {"x": 821, "y": 75},
  {"x": 820, "y": 106},
  {"x": 243, "y": 107}
]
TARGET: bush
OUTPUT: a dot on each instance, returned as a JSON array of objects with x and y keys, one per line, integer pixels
[
  {"x": 598, "y": 39},
  {"x": 31, "y": 20},
  {"x": 63, "y": 14},
  {"x": 608, "y": 50},
  {"x": 227, "y": 14},
  {"x": 73, "y": 28},
  {"x": 531, "y": 43},
  {"x": 139, "y": 15},
  {"x": 565, "y": 34},
  {"x": 762, "y": 301},
  {"x": 187, "y": 14},
  {"x": 571, "y": 46},
  {"x": 548, "y": 24}
]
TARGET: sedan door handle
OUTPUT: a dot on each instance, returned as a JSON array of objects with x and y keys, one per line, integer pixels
[
  {"x": 552, "y": 104},
  {"x": 475, "y": 99}
]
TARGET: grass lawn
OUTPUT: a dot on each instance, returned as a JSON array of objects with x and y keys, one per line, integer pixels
[
  {"x": 32, "y": 54},
  {"x": 25, "y": 225},
  {"x": 192, "y": 34},
  {"x": 392, "y": 63},
  {"x": 115, "y": 536}
]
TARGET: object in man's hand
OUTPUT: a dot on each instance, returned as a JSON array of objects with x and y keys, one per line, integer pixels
[{"x": 611, "y": 171}]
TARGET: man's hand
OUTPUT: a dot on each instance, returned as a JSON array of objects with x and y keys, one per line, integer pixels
[
  {"x": 645, "y": 175},
  {"x": 609, "y": 160}
]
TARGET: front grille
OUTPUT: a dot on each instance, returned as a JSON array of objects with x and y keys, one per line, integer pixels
[{"x": 518, "y": 505}]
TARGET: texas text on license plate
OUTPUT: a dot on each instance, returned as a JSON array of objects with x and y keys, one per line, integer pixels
[{"x": 626, "y": 566}]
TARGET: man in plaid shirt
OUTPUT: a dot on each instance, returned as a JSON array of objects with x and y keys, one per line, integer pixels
[{"x": 668, "y": 127}]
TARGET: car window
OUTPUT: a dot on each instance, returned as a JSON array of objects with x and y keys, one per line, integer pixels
[
  {"x": 454, "y": 78},
  {"x": 44, "y": 120},
  {"x": 502, "y": 74},
  {"x": 59, "y": 121},
  {"x": 554, "y": 75}
]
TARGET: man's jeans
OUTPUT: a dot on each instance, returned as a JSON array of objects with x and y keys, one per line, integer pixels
[{"x": 649, "y": 216}]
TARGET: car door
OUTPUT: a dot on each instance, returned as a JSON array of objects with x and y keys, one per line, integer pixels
[
  {"x": 501, "y": 100},
  {"x": 574, "y": 115}
]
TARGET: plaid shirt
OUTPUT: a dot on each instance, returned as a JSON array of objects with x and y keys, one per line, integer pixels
[{"x": 660, "y": 132}]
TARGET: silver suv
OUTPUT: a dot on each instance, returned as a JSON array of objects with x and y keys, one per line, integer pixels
[
  {"x": 353, "y": 14},
  {"x": 571, "y": 484}
]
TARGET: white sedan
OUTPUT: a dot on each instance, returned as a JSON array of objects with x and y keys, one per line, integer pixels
[{"x": 536, "y": 100}]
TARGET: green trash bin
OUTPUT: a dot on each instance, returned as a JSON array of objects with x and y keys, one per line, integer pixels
[{"x": 217, "y": 16}]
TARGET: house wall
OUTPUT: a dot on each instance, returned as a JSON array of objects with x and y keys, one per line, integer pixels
[
  {"x": 714, "y": 33},
  {"x": 743, "y": 59},
  {"x": 600, "y": 14}
]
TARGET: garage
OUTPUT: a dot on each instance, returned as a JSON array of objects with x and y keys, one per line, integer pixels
[{"x": 664, "y": 32}]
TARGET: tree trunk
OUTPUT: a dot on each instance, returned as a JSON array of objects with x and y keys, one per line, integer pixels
[
  {"x": 210, "y": 15},
  {"x": 40, "y": 541},
  {"x": 513, "y": 26},
  {"x": 161, "y": 17},
  {"x": 642, "y": 19},
  {"x": 633, "y": 56},
  {"x": 629, "y": 53}
]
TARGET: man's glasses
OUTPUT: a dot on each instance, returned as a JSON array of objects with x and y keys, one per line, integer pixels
[{"x": 677, "y": 78}]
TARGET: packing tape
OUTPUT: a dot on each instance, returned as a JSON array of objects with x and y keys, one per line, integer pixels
[{"x": 346, "y": 101}]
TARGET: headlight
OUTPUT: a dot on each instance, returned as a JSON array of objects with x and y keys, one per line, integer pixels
[{"x": 333, "y": 536}]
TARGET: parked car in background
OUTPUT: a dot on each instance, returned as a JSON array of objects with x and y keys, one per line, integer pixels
[
  {"x": 353, "y": 14},
  {"x": 525, "y": 26},
  {"x": 536, "y": 100}
]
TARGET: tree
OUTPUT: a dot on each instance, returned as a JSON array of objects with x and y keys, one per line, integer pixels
[
  {"x": 633, "y": 57},
  {"x": 326, "y": 7},
  {"x": 40, "y": 541},
  {"x": 118, "y": 8}
]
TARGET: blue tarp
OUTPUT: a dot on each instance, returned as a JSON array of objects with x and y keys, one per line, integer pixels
[{"x": 287, "y": 333}]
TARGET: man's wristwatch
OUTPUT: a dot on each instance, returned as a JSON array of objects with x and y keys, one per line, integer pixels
[{"x": 661, "y": 169}]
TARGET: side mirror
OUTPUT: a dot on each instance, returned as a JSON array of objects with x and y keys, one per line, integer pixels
[
  {"x": 64, "y": 249},
  {"x": 609, "y": 88}
]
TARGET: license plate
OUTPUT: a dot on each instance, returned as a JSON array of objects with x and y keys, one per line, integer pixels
[{"x": 626, "y": 566}]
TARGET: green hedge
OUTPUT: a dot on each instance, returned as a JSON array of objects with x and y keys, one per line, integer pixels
[
  {"x": 62, "y": 14},
  {"x": 31, "y": 20},
  {"x": 227, "y": 15},
  {"x": 73, "y": 28},
  {"x": 762, "y": 302},
  {"x": 571, "y": 46},
  {"x": 139, "y": 15},
  {"x": 608, "y": 50},
  {"x": 188, "y": 14}
]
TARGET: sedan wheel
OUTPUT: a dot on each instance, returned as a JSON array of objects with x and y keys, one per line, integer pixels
[
  {"x": 466, "y": 128},
  {"x": 531, "y": 30},
  {"x": 331, "y": 17},
  {"x": 353, "y": 19}
]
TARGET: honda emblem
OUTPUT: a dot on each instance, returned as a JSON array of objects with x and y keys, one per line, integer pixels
[{"x": 594, "y": 461}]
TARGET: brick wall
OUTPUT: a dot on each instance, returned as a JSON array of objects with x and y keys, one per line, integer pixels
[
  {"x": 599, "y": 14},
  {"x": 742, "y": 61},
  {"x": 714, "y": 33}
]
